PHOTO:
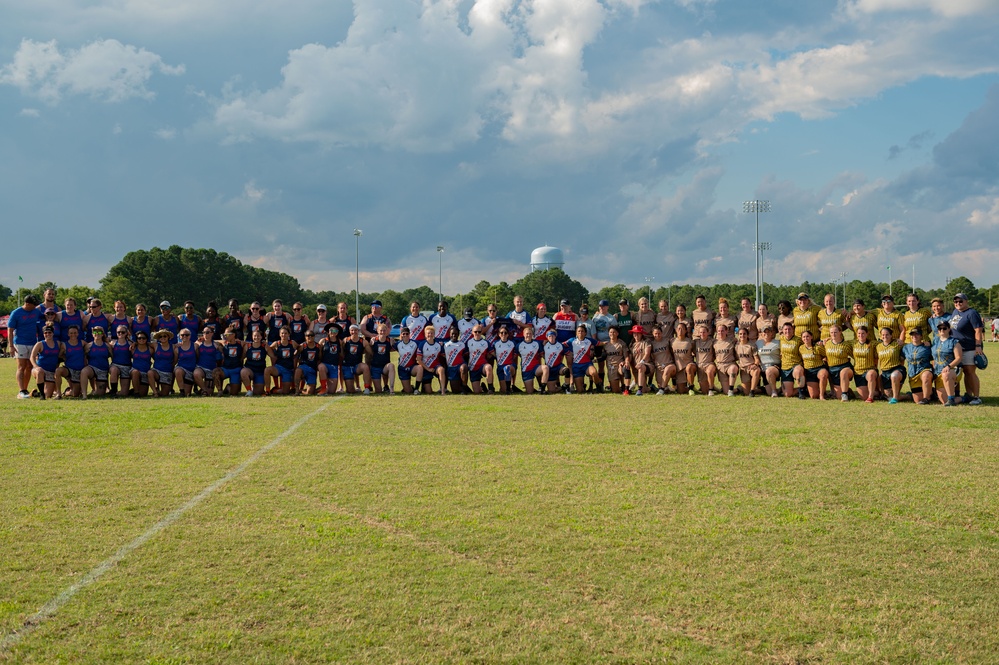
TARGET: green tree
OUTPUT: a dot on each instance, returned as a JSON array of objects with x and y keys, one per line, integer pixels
[
  {"x": 613, "y": 294},
  {"x": 550, "y": 286}
]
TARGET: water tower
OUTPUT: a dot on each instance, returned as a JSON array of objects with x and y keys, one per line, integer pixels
[{"x": 547, "y": 257}]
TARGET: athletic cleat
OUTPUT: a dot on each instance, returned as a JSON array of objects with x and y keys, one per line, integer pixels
[
  {"x": 845, "y": 397},
  {"x": 711, "y": 393},
  {"x": 367, "y": 391},
  {"x": 731, "y": 393},
  {"x": 802, "y": 393},
  {"x": 975, "y": 401},
  {"x": 24, "y": 394},
  {"x": 661, "y": 392},
  {"x": 691, "y": 392},
  {"x": 924, "y": 401},
  {"x": 249, "y": 394},
  {"x": 775, "y": 394},
  {"x": 893, "y": 401},
  {"x": 869, "y": 400},
  {"x": 625, "y": 392},
  {"x": 638, "y": 393}
]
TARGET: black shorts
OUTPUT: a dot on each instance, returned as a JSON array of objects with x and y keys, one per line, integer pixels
[{"x": 599, "y": 353}]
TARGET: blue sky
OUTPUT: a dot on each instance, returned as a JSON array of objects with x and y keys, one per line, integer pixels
[{"x": 627, "y": 132}]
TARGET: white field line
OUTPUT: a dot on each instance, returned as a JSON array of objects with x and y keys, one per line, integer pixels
[{"x": 50, "y": 608}]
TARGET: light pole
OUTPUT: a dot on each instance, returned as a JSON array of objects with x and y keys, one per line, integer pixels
[
  {"x": 357, "y": 274},
  {"x": 440, "y": 256},
  {"x": 888, "y": 268},
  {"x": 762, "y": 247},
  {"x": 842, "y": 276},
  {"x": 757, "y": 207},
  {"x": 649, "y": 280}
]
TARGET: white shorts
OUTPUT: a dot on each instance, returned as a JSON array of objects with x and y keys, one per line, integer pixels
[
  {"x": 967, "y": 358},
  {"x": 23, "y": 351}
]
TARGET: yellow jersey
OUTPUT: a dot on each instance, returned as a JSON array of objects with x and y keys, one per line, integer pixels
[
  {"x": 919, "y": 319},
  {"x": 812, "y": 358},
  {"x": 838, "y": 354},
  {"x": 892, "y": 320},
  {"x": 889, "y": 356},
  {"x": 789, "y": 355},
  {"x": 827, "y": 321},
  {"x": 865, "y": 357},
  {"x": 870, "y": 320},
  {"x": 806, "y": 319}
]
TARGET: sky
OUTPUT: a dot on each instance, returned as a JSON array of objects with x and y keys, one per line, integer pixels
[{"x": 626, "y": 132}]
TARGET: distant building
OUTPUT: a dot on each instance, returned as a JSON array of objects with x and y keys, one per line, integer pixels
[{"x": 547, "y": 257}]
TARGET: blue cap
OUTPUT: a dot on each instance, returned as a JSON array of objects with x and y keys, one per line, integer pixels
[{"x": 376, "y": 303}]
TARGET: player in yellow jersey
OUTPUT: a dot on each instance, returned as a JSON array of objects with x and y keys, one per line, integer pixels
[
  {"x": 839, "y": 352},
  {"x": 861, "y": 317},
  {"x": 806, "y": 316},
  {"x": 889, "y": 317},
  {"x": 865, "y": 365},
  {"x": 791, "y": 370},
  {"x": 813, "y": 359},
  {"x": 830, "y": 316},
  {"x": 890, "y": 364},
  {"x": 916, "y": 317}
]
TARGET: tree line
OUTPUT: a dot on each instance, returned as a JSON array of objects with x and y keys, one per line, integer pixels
[{"x": 202, "y": 275}]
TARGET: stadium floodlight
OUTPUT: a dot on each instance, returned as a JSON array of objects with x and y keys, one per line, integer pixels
[
  {"x": 649, "y": 281},
  {"x": 757, "y": 207},
  {"x": 440, "y": 267},
  {"x": 843, "y": 276},
  {"x": 357, "y": 274}
]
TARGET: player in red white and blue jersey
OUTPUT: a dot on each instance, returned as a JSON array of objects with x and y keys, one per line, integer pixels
[
  {"x": 542, "y": 322},
  {"x": 505, "y": 353},
  {"x": 429, "y": 358},
  {"x": 416, "y": 323},
  {"x": 409, "y": 369},
  {"x": 479, "y": 365},
  {"x": 520, "y": 317},
  {"x": 581, "y": 349},
  {"x": 455, "y": 359},
  {"x": 443, "y": 321},
  {"x": 466, "y": 325},
  {"x": 555, "y": 358},
  {"x": 565, "y": 321},
  {"x": 531, "y": 353}
]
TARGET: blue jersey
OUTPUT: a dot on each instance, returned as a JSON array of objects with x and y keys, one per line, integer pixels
[
  {"x": 142, "y": 360},
  {"x": 99, "y": 321},
  {"x": 918, "y": 358},
  {"x": 74, "y": 319},
  {"x": 25, "y": 325},
  {"x": 285, "y": 355},
  {"x": 353, "y": 353},
  {"x": 121, "y": 353},
  {"x": 99, "y": 357},
  {"x": 163, "y": 358},
  {"x": 255, "y": 358},
  {"x": 48, "y": 357},
  {"x": 253, "y": 325},
  {"x": 232, "y": 356},
  {"x": 187, "y": 358},
  {"x": 143, "y": 326},
  {"x": 274, "y": 327},
  {"x": 192, "y": 323},
  {"x": 76, "y": 358},
  {"x": 309, "y": 356},
  {"x": 208, "y": 356},
  {"x": 331, "y": 352},
  {"x": 235, "y": 321},
  {"x": 113, "y": 327},
  {"x": 172, "y": 324},
  {"x": 962, "y": 327},
  {"x": 297, "y": 330},
  {"x": 380, "y": 352}
]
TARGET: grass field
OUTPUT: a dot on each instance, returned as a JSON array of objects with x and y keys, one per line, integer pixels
[{"x": 541, "y": 529}]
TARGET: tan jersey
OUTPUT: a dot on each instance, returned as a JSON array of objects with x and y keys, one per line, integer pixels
[
  {"x": 781, "y": 320},
  {"x": 747, "y": 322},
  {"x": 747, "y": 354},
  {"x": 668, "y": 323},
  {"x": 616, "y": 352},
  {"x": 730, "y": 321},
  {"x": 641, "y": 351},
  {"x": 690, "y": 326},
  {"x": 725, "y": 352},
  {"x": 662, "y": 355},
  {"x": 646, "y": 320},
  {"x": 683, "y": 352},
  {"x": 704, "y": 351},
  {"x": 705, "y": 318},
  {"x": 768, "y": 321}
]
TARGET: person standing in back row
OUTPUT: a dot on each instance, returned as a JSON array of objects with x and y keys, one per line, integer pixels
[{"x": 967, "y": 329}]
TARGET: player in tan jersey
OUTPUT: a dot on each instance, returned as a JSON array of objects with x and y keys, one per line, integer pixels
[
  {"x": 749, "y": 363},
  {"x": 725, "y": 317},
  {"x": 644, "y": 317},
  {"x": 702, "y": 316},
  {"x": 747, "y": 320},
  {"x": 806, "y": 316},
  {"x": 726, "y": 360},
  {"x": 704, "y": 356},
  {"x": 662, "y": 358},
  {"x": 617, "y": 359},
  {"x": 784, "y": 315},
  {"x": 683, "y": 356},
  {"x": 640, "y": 361},
  {"x": 667, "y": 320},
  {"x": 839, "y": 352},
  {"x": 830, "y": 316},
  {"x": 681, "y": 317},
  {"x": 865, "y": 365},
  {"x": 765, "y": 319}
]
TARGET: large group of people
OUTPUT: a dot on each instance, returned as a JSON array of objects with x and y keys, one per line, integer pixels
[{"x": 916, "y": 353}]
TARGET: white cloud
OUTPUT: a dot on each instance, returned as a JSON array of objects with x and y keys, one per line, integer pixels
[
  {"x": 982, "y": 217},
  {"x": 30, "y": 113},
  {"x": 948, "y": 8},
  {"x": 252, "y": 193},
  {"x": 104, "y": 69},
  {"x": 166, "y": 133}
]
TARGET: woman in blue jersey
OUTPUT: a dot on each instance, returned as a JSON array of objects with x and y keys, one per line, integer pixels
[
  {"x": 235, "y": 319},
  {"x": 232, "y": 362},
  {"x": 93, "y": 319},
  {"x": 167, "y": 321},
  {"x": 255, "y": 355},
  {"x": 164, "y": 361},
  {"x": 98, "y": 364},
  {"x": 212, "y": 317},
  {"x": 275, "y": 320},
  {"x": 209, "y": 353},
  {"x": 329, "y": 366},
  {"x": 120, "y": 318},
  {"x": 189, "y": 320},
  {"x": 282, "y": 371},
  {"x": 75, "y": 360},
  {"x": 121, "y": 362},
  {"x": 354, "y": 368},
  {"x": 141, "y": 322},
  {"x": 298, "y": 324},
  {"x": 947, "y": 353},
  {"x": 309, "y": 356},
  {"x": 381, "y": 367},
  {"x": 45, "y": 361},
  {"x": 255, "y": 321},
  {"x": 142, "y": 362},
  {"x": 70, "y": 316},
  {"x": 186, "y": 362}
]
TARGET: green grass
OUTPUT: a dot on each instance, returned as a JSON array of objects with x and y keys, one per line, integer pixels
[{"x": 544, "y": 528}]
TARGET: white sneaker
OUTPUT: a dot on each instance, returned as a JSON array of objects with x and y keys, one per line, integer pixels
[
  {"x": 24, "y": 394},
  {"x": 249, "y": 394},
  {"x": 711, "y": 393},
  {"x": 731, "y": 393},
  {"x": 661, "y": 392},
  {"x": 845, "y": 397},
  {"x": 775, "y": 394},
  {"x": 633, "y": 387},
  {"x": 367, "y": 391}
]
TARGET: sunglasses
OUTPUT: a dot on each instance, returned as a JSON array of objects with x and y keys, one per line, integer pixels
[
  {"x": 184, "y": 335},
  {"x": 142, "y": 337},
  {"x": 296, "y": 309},
  {"x": 254, "y": 309},
  {"x": 122, "y": 332}
]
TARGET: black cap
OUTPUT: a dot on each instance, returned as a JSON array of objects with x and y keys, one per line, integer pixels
[
  {"x": 887, "y": 297},
  {"x": 622, "y": 301},
  {"x": 469, "y": 311},
  {"x": 604, "y": 303},
  {"x": 30, "y": 300},
  {"x": 563, "y": 302}
]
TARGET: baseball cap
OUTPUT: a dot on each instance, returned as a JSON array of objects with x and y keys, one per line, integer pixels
[
  {"x": 960, "y": 296},
  {"x": 376, "y": 303},
  {"x": 604, "y": 303},
  {"x": 563, "y": 302},
  {"x": 916, "y": 331},
  {"x": 887, "y": 297},
  {"x": 166, "y": 303},
  {"x": 622, "y": 301},
  {"x": 584, "y": 310},
  {"x": 320, "y": 308},
  {"x": 469, "y": 311},
  {"x": 804, "y": 295}
]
